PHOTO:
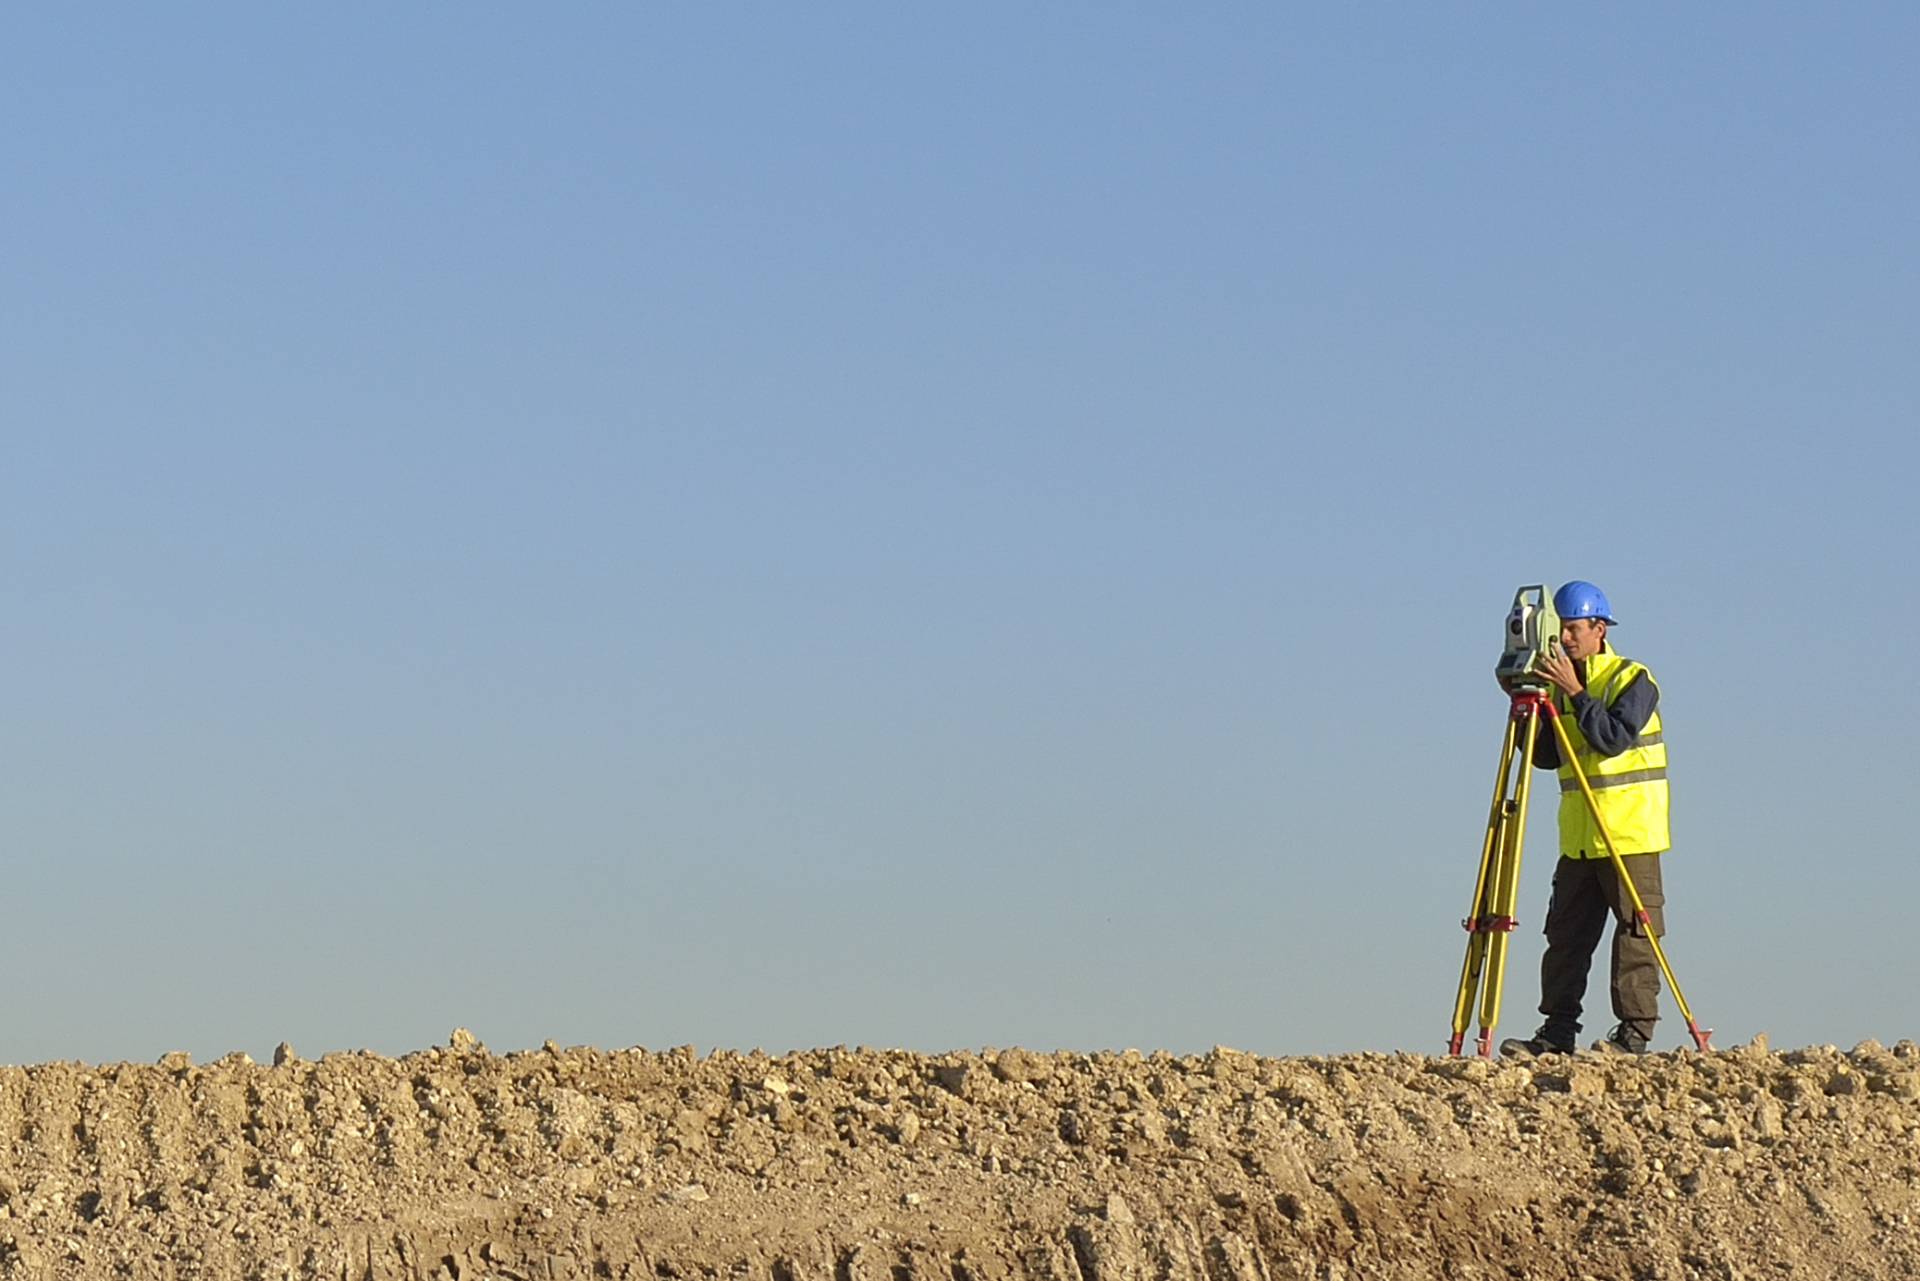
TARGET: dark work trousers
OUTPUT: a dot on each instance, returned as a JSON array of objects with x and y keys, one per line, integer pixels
[{"x": 1586, "y": 891}]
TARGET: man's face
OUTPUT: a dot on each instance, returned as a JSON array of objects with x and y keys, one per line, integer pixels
[{"x": 1582, "y": 637}]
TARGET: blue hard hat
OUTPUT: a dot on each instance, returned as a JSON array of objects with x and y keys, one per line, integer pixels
[{"x": 1581, "y": 599}]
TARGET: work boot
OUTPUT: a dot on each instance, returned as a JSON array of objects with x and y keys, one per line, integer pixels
[
  {"x": 1548, "y": 1040},
  {"x": 1624, "y": 1039}
]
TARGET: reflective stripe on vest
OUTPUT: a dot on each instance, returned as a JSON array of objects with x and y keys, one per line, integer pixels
[
  {"x": 1629, "y": 789},
  {"x": 1605, "y": 781}
]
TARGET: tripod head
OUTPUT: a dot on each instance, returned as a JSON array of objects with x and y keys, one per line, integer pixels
[{"x": 1531, "y": 634}]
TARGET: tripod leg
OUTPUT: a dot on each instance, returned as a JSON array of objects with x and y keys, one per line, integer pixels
[
  {"x": 1480, "y": 909},
  {"x": 1506, "y": 893},
  {"x": 1701, "y": 1035}
]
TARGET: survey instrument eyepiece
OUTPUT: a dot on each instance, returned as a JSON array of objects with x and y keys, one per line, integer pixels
[{"x": 1532, "y": 633}]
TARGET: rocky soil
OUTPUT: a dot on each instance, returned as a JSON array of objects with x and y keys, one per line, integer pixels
[{"x": 870, "y": 1165}]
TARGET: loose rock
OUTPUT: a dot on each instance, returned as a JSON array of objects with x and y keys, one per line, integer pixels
[{"x": 1005, "y": 1166}]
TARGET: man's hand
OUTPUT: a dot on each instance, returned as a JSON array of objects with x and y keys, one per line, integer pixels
[{"x": 1558, "y": 668}]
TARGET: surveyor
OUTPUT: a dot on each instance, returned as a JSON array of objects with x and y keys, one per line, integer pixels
[{"x": 1610, "y": 706}]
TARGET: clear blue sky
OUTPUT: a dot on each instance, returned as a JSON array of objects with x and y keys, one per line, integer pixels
[{"x": 785, "y": 526}]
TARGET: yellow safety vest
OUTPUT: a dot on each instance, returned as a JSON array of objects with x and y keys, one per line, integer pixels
[{"x": 1631, "y": 787}]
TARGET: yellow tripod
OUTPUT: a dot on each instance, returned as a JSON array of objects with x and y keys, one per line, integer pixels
[{"x": 1497, "y": 889}]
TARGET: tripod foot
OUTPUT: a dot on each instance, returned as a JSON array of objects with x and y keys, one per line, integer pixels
[
  {"x": 1485, "y": 1046},
  {"x": 1702, "y": 1036}
]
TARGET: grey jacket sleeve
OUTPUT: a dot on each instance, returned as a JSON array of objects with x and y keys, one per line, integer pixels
[
  {"x": 1546, "y": 748},
  {"x": 1610, "y": 730}
]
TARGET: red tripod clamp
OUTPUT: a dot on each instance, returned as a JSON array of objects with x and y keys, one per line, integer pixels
[{"x": 1526, "y": 702}]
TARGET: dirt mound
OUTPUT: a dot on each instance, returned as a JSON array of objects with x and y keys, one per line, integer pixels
[{"x": 838, "y": 1165}]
